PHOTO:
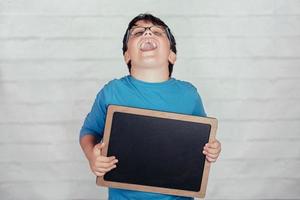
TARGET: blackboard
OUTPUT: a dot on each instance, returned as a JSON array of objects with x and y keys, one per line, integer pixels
[{"x": 157, "y": 151}]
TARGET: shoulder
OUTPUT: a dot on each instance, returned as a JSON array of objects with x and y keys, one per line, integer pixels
[
  {"x": 112, "y": 85},
  {"x": 185, "y": 85},
  {"x": 188, "y": 89}
]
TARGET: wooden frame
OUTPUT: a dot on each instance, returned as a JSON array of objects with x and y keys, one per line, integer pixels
[{"x": 137, "y": 111}]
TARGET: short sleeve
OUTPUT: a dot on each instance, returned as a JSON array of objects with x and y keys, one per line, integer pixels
[
  {"x": 95, "y": 120},
  {"x": 199, "y": 108}
]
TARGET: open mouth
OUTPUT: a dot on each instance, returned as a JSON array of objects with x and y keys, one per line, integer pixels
[{"x": 148, "y": 45}]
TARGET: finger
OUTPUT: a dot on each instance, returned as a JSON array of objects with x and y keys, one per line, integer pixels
[
  {"x": 214, "y": 156},
  {"x": 106, "y": 159},
  {"x": 216, "y": 144},
  {"x": 99, "y": 174},
  {"x": 100, "y": 170},
  {"x": 210, "y": 159},
  {"x": 112, "y": 167},
  {"x": 101, "y": 145},
  {"x": 96, "y": 151},
  {"x": 105, "y": 165},
  {"x": 213, "y": 144},
  {"x": 105, "y": 170},
  {"x": 98, "y": 148},
  {"x": 212, "y": 151}
]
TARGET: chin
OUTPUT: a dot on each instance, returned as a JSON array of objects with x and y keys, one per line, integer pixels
[{"x": 150, "y": 65}]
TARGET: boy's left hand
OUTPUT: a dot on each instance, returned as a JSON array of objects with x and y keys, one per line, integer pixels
[{"x": 212, "y": 150}]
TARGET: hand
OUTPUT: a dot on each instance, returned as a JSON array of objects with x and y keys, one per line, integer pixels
[
  {"x": 212, "y": 150},
  {"x": 101, "y": 164}
]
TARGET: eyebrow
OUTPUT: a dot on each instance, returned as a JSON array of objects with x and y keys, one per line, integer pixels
[
  {"x": 134, "y": 26},
  {"x": 141, "y": 26}
]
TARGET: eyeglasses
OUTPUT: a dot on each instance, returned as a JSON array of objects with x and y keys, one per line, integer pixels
[{"x": 138, "y": 31}]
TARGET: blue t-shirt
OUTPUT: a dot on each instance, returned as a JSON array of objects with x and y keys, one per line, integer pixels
[{"x": 170, "y": 96}]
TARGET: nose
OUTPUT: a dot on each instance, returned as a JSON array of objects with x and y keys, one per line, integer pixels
[{"x": 147, "y": 32}]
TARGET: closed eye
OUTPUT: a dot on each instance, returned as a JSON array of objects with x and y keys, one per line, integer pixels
[{"x": 139, "y": 33}]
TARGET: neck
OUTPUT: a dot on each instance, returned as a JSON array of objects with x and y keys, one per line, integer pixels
[{"x": 153, "y": 75}]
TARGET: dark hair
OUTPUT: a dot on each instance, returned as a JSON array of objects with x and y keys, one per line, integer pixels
[{"x": 156, "y": 21}]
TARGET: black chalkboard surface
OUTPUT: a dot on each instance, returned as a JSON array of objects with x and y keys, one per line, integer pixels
[{"x": 157, "y": 151}]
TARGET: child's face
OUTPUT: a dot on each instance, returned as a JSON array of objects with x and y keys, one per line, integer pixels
[{"x": 148, "y": 48}]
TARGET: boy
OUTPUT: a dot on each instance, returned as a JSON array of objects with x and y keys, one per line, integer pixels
[{"x": 149, "y": 50}]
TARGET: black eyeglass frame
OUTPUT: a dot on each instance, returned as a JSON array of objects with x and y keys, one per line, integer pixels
[{"x": 167, "y": 30}]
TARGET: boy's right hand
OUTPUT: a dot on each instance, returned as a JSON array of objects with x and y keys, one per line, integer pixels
[{"x": 101, "y": 164}]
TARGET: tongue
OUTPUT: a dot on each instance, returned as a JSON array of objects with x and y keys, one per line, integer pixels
[{"x": 148, "y": 46}]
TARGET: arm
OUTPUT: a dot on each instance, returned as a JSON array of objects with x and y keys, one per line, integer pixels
[
  {"x": 87, "y": 144},
  {"x": 91, "y": 134}
]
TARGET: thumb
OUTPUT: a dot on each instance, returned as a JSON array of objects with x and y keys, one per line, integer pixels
[{"x": 98, "y": 148}]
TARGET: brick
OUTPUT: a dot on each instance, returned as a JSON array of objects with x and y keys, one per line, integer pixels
[
  {"x": 53, "y": 112},
  {"x": 237, "y": 68},
  {"x": 61, "y": 91},
  {"x": 287, "y": 7},
  {"x": 259, "y": 130},
  {"x": 27, "y": 153},
  {"x": 52, "y": 26},
  {"x": 246, "y": 150},
  {"x": 61, "y": 49},
  {"x": 239, "y": 47},
  {"x": 37, "y": 133},
  {"x": 248, "y": 89},
  {"x": 253, "y": 110},
  {"x": 288, "y": 46},
  {"x": 45, "y": 171},
  {"x": 58, "y": 70},
  {"x": 238, "y": 7},
  {"x": 53, "y": 190},
  {"x": 274, "y": 188},
  {"x": 260, "y": 168},
  {"x": 244, "y": 26}
]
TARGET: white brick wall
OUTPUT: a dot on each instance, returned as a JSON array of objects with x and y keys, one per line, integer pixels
[{"x": 243, "y": 56}]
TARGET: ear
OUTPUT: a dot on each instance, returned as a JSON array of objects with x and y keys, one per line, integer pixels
[
  {"x": 172, "y": 57},
  {"x": 126, "y": 57}
]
